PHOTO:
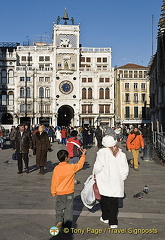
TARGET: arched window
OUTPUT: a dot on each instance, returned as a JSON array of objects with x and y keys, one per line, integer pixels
[
  {"x": 107, "y": 93},
  {"x": 7, "y": 118},
  {"x": 41, "y": 92},
  {"x": 3, "y": 98},
  {"x": 22, "y": 92},
  {"x": 84, "y": 93},
  {"x": 4, "y": 77},
  {"x": 22, "y": 108},
  {"x": 89, "y": 93},
  {"x": 47, "y": 108},
  {"x": 10, "y": 98},
  {"x": 11, "y": 77},
  {"x": 101, "y": 93},
  {"x": 28, "y": 92},
  {"x": 47, "y": 92}
]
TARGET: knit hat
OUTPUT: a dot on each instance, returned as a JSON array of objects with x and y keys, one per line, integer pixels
[{"x": 108, "y": 141}]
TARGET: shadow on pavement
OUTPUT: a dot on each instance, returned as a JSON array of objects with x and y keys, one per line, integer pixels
[
  {"x": 65, "y": 236},
  {"x": 78, "y": 206},
  {"x": 50, "y": 166},
  {"x": 86, "y": 165}
]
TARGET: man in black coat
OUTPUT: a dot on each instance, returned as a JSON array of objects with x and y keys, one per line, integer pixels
[
  {"x": 85, "y": 136},
  {"x": 23, "y": 143},
  {"x": 99, "y": 136}
]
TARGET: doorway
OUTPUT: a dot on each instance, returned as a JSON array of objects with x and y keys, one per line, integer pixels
[{"x": 65, "y": 115}]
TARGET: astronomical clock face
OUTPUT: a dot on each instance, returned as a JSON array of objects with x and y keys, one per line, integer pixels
[{"x": 66, "y": 87}]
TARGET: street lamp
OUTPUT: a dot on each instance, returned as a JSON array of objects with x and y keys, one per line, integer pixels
[
  {"x": 98, "y": 120},
  {"x": 26, "y": 91},
  {"x": 41, "y": 95}
]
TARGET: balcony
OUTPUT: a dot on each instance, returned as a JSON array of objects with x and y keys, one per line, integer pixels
[
  {"x": 88, "y": 69},
  {"x": 95, "y": 50},
  {"x": 44, "y": 69},
  {"x": 143, "y": 89},
  {"x": 8, "y": 56},
  {"x": 23, "y": 68},
  {"x": 22, "y": 112},
  {"x": 127, "y": 89},
  {"x": 65, "y": 71},
  {"x": 140, "y": 116},
  {"x": 34, "y": 48}
]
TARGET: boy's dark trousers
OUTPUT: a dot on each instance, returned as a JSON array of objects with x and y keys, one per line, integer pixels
[{"x": 64, "y": 209}]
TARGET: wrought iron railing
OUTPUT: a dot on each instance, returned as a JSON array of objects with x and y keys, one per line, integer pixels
[{"x": 158, "y": 140}]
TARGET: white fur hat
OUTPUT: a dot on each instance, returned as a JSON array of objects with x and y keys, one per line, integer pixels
[{"x": 108, "y": 141}]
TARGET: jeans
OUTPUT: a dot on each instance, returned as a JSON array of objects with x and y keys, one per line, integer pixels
[{"x": 63, "y": 141}]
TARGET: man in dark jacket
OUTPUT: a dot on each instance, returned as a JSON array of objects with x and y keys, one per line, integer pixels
[
  {"x": 85, "y": 135},
  {"x": 99, "y": 136},
  {"x": 23, "y": 143}
]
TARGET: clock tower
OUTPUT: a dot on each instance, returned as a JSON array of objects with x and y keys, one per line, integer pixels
[{"x": 66, "y": 79}]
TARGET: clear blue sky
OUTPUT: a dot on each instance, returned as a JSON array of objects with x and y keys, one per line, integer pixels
[{"x": 123, "y": 25}]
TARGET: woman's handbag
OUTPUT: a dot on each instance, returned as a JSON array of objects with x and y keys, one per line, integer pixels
[
  {"x": 96, "y": 190},
  {"x": 34, "y": 151},
  {"x": 14, "y": 156}
]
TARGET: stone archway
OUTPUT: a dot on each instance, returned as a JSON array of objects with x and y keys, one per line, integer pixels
[
  {"x": 65, "y": 115},
  {"x": 6, "y": 119}
]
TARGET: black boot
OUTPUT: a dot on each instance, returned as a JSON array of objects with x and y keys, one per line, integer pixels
[{"x": 42, "y": 170}]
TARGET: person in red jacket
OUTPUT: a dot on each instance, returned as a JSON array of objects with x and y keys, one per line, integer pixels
[
  {"x": 63, "y": 135},
  {"x": 73, "y": 147},
  {"x": 134, "y": 142}
]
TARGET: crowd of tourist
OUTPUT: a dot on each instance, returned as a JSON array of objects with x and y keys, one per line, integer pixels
[{"x": 110, "y": 168}]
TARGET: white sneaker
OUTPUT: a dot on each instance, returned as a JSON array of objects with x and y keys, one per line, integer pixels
[
  {"x": 104, "y": 221},
  {"x": 113, "y": 226}
]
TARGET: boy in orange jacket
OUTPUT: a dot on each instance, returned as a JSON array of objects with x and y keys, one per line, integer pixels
[{"x": 62, "y": 186}]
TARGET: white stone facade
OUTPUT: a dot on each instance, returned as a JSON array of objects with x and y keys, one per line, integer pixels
[{"x": 66, "y": 84}]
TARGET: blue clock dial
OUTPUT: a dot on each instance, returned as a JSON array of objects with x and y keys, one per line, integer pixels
[{"x": 66, "y": 87}]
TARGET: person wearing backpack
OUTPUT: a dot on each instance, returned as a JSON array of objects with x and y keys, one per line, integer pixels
[{"x": 134, "y": 142}]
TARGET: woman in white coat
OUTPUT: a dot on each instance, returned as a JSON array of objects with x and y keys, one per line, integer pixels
[
  {"x": 111, "y": 169},
  {"x": 58, "y": 135}
]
